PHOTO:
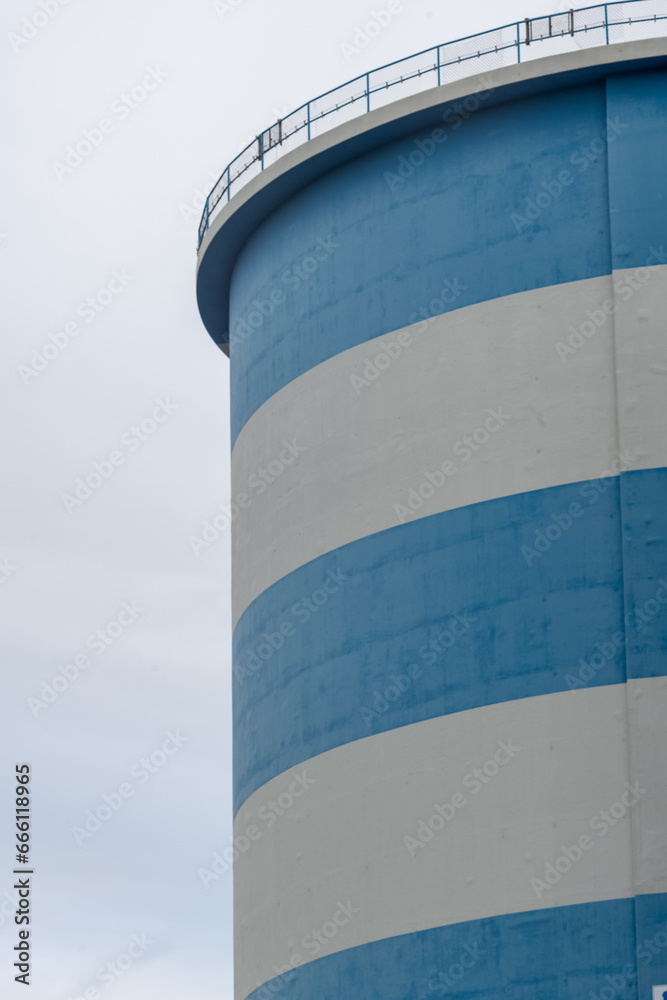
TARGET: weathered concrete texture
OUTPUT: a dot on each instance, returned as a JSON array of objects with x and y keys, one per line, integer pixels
[{"x": 431, "y": 549}]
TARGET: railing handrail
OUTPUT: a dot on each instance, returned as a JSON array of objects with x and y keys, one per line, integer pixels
[{"x": 264, "y": 144}]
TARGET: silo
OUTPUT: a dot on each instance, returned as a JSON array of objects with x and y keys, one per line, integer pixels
[{"x": 448, "y": 375}]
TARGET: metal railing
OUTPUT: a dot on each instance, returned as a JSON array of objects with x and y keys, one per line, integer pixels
[{"x": 602, "y": 24}]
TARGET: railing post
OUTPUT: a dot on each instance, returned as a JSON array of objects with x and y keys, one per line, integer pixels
[{"x": 275, "y": 133}]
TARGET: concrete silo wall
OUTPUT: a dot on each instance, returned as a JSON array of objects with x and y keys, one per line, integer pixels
[{"x": 450, "y": 575}]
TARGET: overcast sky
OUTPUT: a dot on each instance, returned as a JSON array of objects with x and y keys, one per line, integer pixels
[{"x": 119, "y": 227}]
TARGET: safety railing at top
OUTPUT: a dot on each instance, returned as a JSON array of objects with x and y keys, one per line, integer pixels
[{"x": 602, "y": 24}]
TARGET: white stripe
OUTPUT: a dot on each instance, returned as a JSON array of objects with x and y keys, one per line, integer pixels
[
  {"x": 641, "y": 360},
  {"x": 647, "y": 701},
  {"x": 342, "y": 839},
  {"x": 365, "y": 448}
]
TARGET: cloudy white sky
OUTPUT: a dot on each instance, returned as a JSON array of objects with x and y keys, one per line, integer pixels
[{"x": 120, "y": 227}]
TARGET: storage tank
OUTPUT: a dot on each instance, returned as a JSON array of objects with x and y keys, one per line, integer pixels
[{"x": 448, "y": 377}]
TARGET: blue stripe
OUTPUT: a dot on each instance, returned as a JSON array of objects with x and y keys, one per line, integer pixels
[
  {"x": 638, "y": 218},
  {"x": 456, "y": 216},
  {"x": 564, "y": 953},
  {"x": 535, "y": 616},
  {"x": 651, "y": 923},
  {"x": 637, "y": 192},
  {"x": 644, "y": 500}
]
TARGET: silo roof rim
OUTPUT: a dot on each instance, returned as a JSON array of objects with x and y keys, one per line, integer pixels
[{"x": 264, "y": 193}]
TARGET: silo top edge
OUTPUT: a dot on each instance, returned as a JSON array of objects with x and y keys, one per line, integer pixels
[{"x": 240, "y": 216}]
